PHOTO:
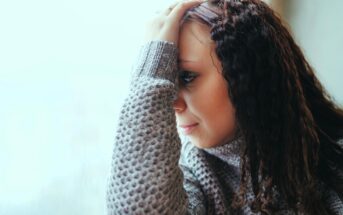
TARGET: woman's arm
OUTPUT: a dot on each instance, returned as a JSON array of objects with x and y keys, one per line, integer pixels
[
  {"x": 197, "y": 202},
  {"x": 145, "y": 177}
]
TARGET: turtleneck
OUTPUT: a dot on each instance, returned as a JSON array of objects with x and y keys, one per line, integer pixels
[{"x": 229, "y": 152}]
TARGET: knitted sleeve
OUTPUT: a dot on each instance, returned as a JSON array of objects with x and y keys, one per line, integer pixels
[
  {"x": 197, "y": 202},
  {"x": 145, "y": 176}
]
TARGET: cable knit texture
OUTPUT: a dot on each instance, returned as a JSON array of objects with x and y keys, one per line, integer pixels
[{"x": 152, "y": 173}]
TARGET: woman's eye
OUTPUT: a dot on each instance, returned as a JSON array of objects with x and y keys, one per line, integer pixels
[{"x": 187, "y": 77}]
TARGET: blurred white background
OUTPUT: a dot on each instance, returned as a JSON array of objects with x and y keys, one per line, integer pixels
[{"x": 64, "y": 72}]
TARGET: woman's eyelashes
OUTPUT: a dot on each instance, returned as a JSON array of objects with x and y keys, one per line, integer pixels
[{"x": 186, "y": 77}]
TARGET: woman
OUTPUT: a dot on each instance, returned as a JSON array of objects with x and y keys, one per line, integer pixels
[{"x": 263, "y": 134}]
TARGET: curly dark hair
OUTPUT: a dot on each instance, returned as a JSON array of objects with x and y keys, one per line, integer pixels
[{"x": 290, "y": 123}]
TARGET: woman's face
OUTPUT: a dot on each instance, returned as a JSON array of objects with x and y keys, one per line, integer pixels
[{"x": 203, "y": 109}]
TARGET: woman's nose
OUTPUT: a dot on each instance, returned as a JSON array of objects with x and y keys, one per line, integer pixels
[{"x": 179, "y": 104}]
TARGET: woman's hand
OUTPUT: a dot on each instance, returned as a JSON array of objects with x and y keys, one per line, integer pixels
[{"x": 166, "y": 25}]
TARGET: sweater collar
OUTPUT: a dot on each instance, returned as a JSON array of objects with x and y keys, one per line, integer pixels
[{"x": 230, "y": 151}]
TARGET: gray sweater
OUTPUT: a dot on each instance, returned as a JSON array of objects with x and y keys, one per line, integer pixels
[{"x": 152, "y": 172}]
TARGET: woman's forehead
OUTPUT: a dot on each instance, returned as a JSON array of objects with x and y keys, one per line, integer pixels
[
  {"x": 199, "y": 31},
  {"x": 195, "y": 41},
  {"x": 195, "y": 45}
]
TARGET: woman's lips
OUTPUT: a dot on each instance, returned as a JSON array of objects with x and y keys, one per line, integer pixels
[{"x": 187, "y": 129}]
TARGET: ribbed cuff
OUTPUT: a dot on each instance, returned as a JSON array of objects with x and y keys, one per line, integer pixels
[{"x": 158, "y": 59}]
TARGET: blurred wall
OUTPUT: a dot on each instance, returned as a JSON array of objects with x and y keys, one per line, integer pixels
[
  {"x": 318, "y": 28},
  {"x": 64, "y": 71}
]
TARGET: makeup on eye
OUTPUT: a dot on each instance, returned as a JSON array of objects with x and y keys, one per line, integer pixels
[{"x": 186, "y": 76}]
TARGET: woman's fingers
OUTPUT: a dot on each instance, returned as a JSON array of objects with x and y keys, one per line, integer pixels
[
  {"x": 166, "y": 26},
  {"x": 181, "y": 7},
  {"x": 170, "y": 8}
]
